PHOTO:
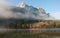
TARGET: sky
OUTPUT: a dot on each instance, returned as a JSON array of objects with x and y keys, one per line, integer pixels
[{"x": 50, "y": 6}]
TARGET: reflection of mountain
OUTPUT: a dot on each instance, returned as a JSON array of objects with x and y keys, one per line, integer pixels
[{"x": 30, "y": 12}]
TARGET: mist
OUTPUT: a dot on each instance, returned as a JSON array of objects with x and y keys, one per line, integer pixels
[{"x": 5, "y": 11}]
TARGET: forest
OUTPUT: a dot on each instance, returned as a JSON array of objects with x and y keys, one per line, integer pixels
[{"x": 32, "y": 24}]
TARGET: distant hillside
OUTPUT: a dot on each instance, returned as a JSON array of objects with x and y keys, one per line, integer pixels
[
  {"x": 23, "y": 15},
  {"x": 24, "y": 11}
]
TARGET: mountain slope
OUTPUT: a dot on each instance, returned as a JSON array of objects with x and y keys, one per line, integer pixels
[{"x": 24, "y": 11}]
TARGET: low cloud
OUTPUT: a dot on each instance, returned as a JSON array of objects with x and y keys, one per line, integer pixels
[
  {"x": 5, "y": 11},
  {"x": 56, "y": 15}
]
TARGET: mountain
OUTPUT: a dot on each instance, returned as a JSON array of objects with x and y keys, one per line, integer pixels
[
  {"x": 22, "y": 14},
  {"x": 25, "y": 11}
]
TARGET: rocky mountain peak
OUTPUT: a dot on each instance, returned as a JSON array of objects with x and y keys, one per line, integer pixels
[
  {"x": 22, "y": 5},
  {"x": 29, "y": 12}
]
